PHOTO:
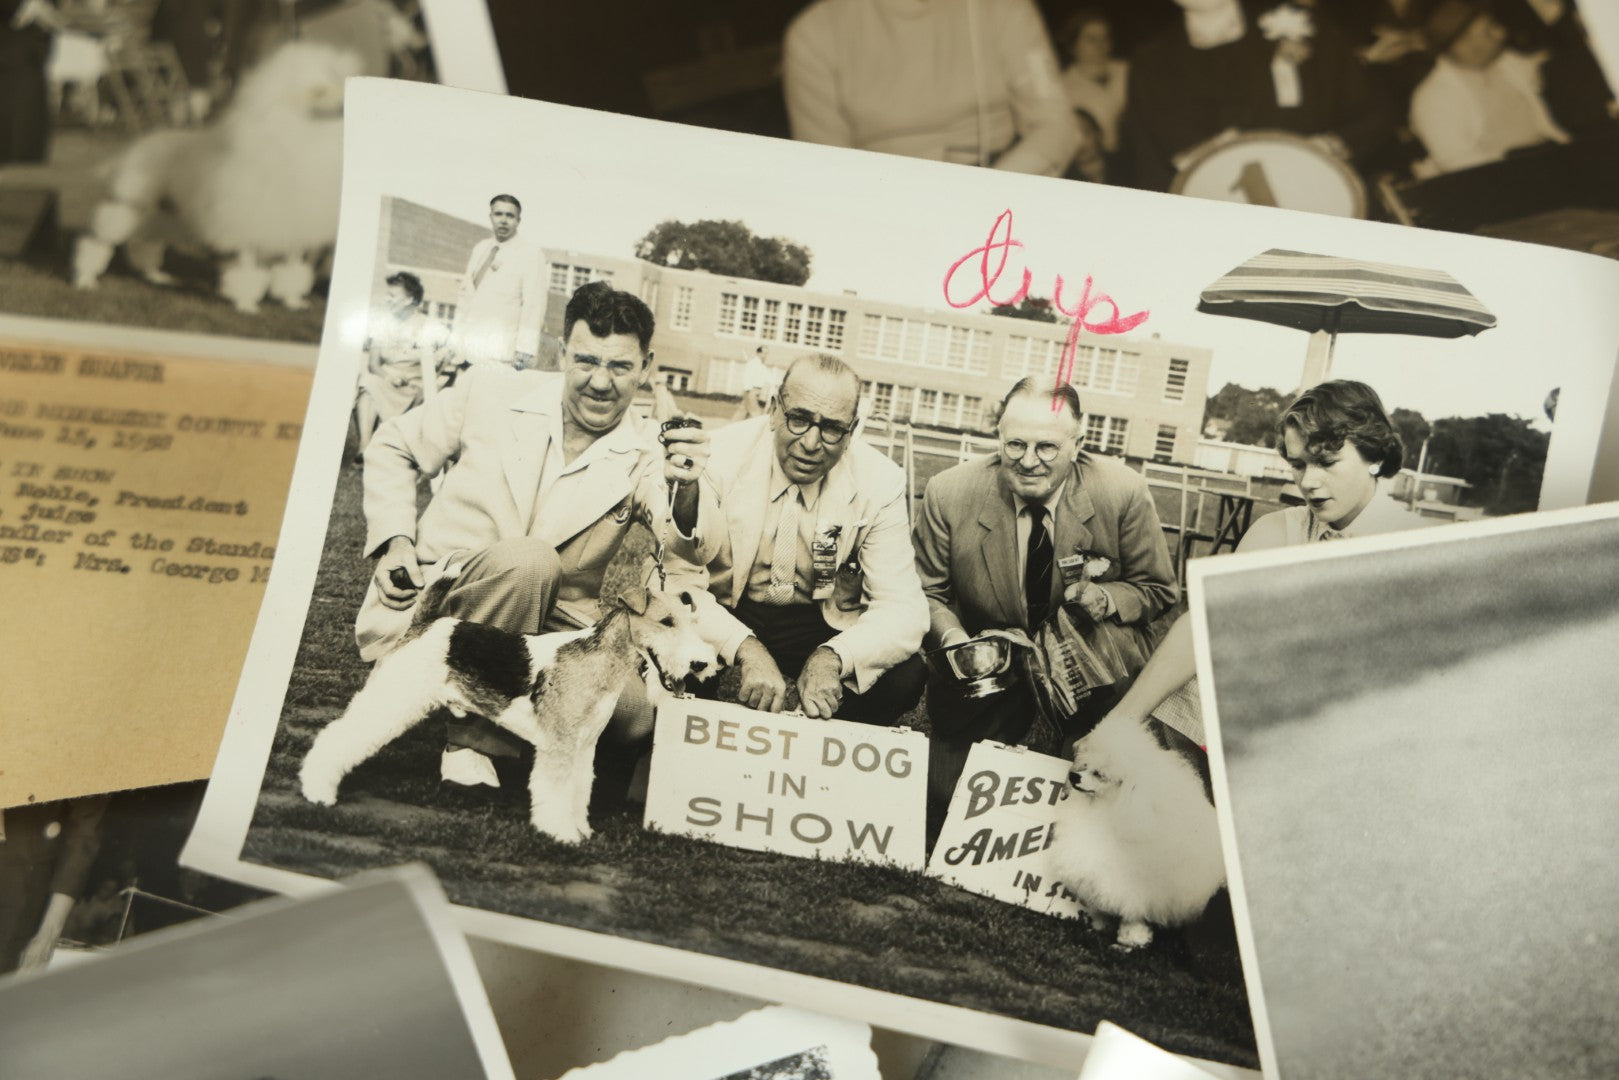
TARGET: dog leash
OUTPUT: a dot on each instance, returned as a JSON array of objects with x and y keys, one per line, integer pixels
[{"x": 659, "y": 546}]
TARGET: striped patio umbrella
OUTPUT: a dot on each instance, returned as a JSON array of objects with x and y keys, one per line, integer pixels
[{"x": 1325, "y": 296}]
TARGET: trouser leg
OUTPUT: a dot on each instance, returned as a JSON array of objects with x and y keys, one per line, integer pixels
[{"x": 510, "y": 585}]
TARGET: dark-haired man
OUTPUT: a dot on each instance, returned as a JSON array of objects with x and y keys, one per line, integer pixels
[
  {"x": 550, "y": 470},
  {"x": 501, "y": 306},
  {"x": 812, "y": 577},
  {"x": 988, "y": 544}
]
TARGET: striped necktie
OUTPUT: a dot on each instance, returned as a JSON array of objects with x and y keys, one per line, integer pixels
[
  {"x": 1037, "y": 567},
  {"x": 488, "y": 261},
  {"x": 784, "y": 556}
]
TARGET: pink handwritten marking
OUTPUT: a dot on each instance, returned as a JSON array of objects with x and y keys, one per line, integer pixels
[
  {"x": 988, "y": 278},
  {"x": 1118, "y": 324},
  {"x": 999, "y": 243}
]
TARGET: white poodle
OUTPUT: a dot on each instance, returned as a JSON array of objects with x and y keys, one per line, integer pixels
[
  {"x": 259, "y": 187},
  {"x": 1139, "y": 839}
]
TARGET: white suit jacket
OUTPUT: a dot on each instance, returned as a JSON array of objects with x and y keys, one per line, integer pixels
[
  {"x": 501, "y": 316},
  {"x": 865, "y": 495},
  {"x": 496, "y": 425}
]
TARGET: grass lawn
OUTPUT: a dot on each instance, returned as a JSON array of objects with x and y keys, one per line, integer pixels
[{"x": 884, "y": 928}]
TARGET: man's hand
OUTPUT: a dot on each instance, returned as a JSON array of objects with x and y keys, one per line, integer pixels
[
  {"x": 763, "y": 687},
  {"x": 820, "y": 684},
  {"x": 685, "y": 451},
  {"x": 400, "y": 554},
  {"x": 1089, "y": 597}
]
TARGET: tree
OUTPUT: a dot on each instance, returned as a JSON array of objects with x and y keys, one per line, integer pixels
[
  {"x": 727, "y": 248},
  {"x": 1036, "y": 308},
  {"x": 1249, "y": 415},
  {"x": 1501, "y": 456},
  {"x": 1413, "y": 429}
]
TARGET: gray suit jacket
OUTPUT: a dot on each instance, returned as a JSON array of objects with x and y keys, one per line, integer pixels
[{"x": 966, "y": 544}]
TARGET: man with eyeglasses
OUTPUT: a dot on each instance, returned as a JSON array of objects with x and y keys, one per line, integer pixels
[
  {"x": 501, "y": 304},
  {"x": 813, "y": 581},
  {"x": 990, "y": 544},
  {"x": 549, "y": 472}
]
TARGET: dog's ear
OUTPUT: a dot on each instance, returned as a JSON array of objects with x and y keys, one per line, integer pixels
[{"x": 635, "y": 599}]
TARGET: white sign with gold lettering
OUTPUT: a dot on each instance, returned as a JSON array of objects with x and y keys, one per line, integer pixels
[{"x": 827, "y": 789}]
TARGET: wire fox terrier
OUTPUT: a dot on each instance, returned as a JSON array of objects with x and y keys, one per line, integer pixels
[{"x": 556, "y": 691}]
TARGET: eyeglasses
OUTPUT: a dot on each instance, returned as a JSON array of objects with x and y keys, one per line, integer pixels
[
  {"x": 1015, "y": 449},
  {"x": 618, "y": 369},
  {"x": 799, "y": 421}
]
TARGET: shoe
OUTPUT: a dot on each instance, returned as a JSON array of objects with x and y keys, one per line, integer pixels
[{"x": 467, "y": 767}]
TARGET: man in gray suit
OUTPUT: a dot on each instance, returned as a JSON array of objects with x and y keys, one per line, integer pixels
[{"x": 988, "y": 542}]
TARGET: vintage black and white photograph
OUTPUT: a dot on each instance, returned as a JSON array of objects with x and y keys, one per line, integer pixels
[
  {"x": 175, "y": 164},
  {"x": 511, "y": 597},
  {"x": 773, "y": 1043},
  {"x": 1481, "y": 116},
  {"x": 369, "y": 980},
  {"x": 1415, "y": 755}
]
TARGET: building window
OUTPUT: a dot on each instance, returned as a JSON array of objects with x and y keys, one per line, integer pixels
[
  {"x": 950, "y": 408},
  {"x": 972, "y": 413},
  {"x": 1163, "y": 447},
  {"x": 1175, "y": 386},
  {"x": 793, "y": 327},
  {"x": 771, "y": 320},
  {"x": 559, "y": 277},
  {"x": 581, "y": 277},
  {"x": 682, "y": 312},
  {"x": 814, "y": 322},
  {"x": 748, "y": 324},
  {"x": 904, "y": 400},
  {"x": 725, "y": 375},
  {"x": 834, "y": 329},
  {"x": 927, "y": 406},
  {"x": 978, "y": 353},
  {"x": 444, "y": 311},
  {"x": 677, "y": 378},
  {"x": 1117, "y": 430},
  {"x": 882, "y": 399},
  {"x": 726, "y": 323},
  {"x": 1095, "y": 433}
]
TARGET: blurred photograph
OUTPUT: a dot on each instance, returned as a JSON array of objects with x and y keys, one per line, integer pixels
[{"x": 1415, "y": 780}]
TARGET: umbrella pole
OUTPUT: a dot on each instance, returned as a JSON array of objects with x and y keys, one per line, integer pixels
[{"x": 1317, "y": 359}]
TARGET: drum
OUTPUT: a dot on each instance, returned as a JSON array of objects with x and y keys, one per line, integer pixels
[{"x": 1273, "y": 168}]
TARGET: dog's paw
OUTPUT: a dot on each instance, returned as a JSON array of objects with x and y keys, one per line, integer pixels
[
  {"x": 566, "y": 834},
  {"x": 320, "y": 794},
  {"x": 1133, "y": 935}
]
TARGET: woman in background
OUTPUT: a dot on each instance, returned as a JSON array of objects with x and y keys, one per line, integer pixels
[
  {"x": 400, "y": 358},
  {"x": 968, "y": 81},
  {"x": 1340, "y": 443},
  {"x": 1095, "y": 81},
  {"x": 1482, "y": 100}
]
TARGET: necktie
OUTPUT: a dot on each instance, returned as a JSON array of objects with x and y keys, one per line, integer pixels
[
  {"x": 1037, "y": 568},
  {"x": 488, "y": 261},
  {"x": 784, "y": 557}
]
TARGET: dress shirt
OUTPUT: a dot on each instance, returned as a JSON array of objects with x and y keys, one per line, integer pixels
[{"x": 782, "y": 488}]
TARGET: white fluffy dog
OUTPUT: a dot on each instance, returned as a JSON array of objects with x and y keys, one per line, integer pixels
[
  {"x": 259, "y": 187},
  {"x": 1139, "y": 840}
]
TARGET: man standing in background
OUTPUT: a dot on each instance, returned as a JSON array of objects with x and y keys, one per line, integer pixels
[{"x": 499, "y": 310}]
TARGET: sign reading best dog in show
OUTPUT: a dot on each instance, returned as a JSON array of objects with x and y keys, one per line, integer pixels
[{"x": 781, "y": 782}]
